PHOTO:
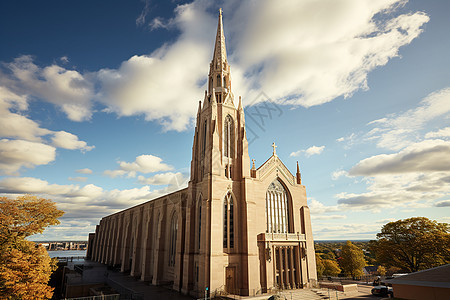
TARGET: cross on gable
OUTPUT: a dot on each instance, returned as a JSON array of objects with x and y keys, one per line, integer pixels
[{"x": 274, "y": 148}]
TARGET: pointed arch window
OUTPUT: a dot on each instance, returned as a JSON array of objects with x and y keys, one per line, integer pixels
[
  {"x": 173, "y": 239},
  {"x": 228, "y": 222},
  {"x": 228, "y": 137},
  {"x": 277, "y": 208},
  {"x": 219, "y": 81}
]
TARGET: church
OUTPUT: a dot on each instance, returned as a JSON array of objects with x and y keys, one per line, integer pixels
[{"x": 235, "y": 229}]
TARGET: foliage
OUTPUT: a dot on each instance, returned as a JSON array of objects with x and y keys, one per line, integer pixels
[
  {"x": 413, "y": 244},
  {"x": 331, "y": 268},
  {"x": 352, "y": 260},
  {"x": 381, "y": 270},
  {"x": 319, "y": 265},
  {"x": 25, "y": 268}
]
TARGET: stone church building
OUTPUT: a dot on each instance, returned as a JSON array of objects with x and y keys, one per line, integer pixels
[{"x": 235, "y": 229}]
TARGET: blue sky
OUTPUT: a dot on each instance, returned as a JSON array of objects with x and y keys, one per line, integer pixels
[{"x": 98, "y": 99}]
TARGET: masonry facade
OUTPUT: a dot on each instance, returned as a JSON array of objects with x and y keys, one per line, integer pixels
[{"x": 236, "y": 228}]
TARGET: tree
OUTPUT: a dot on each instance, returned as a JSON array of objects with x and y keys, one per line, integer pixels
[
  {"x": 331, "y": 267},
  {"x": 25, "y": 268},
  {"x": 319, "y": 265},
  {"x": 413, "y": 244},
  {"x": 381, "y": 270},
  {"x": 352, "y": 260}
]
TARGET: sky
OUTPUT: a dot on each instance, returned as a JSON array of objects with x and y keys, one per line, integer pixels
[{"x": 98, "y": 102}]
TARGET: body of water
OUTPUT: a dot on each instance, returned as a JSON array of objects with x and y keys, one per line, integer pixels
[{"x": 67, "y": 253}]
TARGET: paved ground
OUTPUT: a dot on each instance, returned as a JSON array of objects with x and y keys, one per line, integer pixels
[{"x": 124, "y": 283}]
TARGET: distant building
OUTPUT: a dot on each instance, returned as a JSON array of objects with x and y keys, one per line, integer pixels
[
  {"x": 427, "y": 284},
  {"x": 234, "y": 229}
]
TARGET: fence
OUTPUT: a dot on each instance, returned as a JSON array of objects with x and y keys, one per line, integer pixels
[{"x": 102, "y": 297}]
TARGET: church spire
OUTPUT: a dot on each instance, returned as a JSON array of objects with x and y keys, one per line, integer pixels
[
  {"x": 220, "y": 51},
  {"x": 219, "y": 70}
]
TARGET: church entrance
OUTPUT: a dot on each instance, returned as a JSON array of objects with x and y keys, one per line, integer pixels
[
  {"x": 287, "y": 267},
  {"x": 230, "y": 275}
]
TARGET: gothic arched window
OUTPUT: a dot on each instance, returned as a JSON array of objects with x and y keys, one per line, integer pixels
[
  {"x": 277, "y": 208},
  {"x": 219, "y": 81},
  {"x": 228, "y": 221},
  {"x": 228, "y": 137},
  {"x": 173, "y": 239}
]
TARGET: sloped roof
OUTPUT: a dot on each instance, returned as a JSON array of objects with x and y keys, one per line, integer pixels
[{"x": 435, "y": 277}]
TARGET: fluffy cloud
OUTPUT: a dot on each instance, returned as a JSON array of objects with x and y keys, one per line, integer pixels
[
  {"x": 399, "y": 130},
  {"x": 313, "y": 150},
  {"x": 27, "y": 146},
  {"x": 444, "y": 132},
  {"x": 15, "y": 154},
  {"x": 79, "y": 179},
  {"x": 309, "y": 59},
  {"x": 84, "y": 171},
  {"x": 318, "y": 208},
  {"x": 337, "y": 174},
  {"x": 68, "y": 89},
  {"x": 66, "y": 140},
  {"x": 298, "y": 58},
  {"x": 143, "y": 164},
  {"x": 426, "y": 156},
  {"x": 165, "y": 178}
]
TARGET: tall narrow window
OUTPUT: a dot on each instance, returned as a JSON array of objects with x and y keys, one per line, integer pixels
[
  {"x": 225, "y": 223},
  {"x": 231, "y": 212},
  {"x": 173, "y": 239},
  {"x": 228, "y": 222},
  {"x": 199, "y": 222},
  {"x": 218, "y": 80},
  {"x": 228, "y": 137},
  {"x": 204, "y": 139},
  {"x": 277, "y": 208}
]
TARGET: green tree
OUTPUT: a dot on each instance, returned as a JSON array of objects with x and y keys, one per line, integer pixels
[
  {"x": 25, "y": 268},
  {"x": 413, "y": 244},
  {"x": 319, "y": 265},
  {"x": 352, "y": 260},
  {"x": 331, "y": 267}
]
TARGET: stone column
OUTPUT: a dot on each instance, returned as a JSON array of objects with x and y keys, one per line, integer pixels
[
  {"x": 297, "y": 266},
  {"x": 292, "y": 267},
  {"x": 281, "y": 273},
  {"x": 286, "y": 268}
]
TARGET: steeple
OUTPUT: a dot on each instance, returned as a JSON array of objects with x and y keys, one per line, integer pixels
[
  {"x": 219, "y": 70},
  {"x": 220, "y": 51}
]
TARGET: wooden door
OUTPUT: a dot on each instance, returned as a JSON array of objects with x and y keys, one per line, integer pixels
[{"x": 230, "y": 275}]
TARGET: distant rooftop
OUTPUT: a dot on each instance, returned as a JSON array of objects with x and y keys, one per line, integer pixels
[{"x": 435, "y": 277}]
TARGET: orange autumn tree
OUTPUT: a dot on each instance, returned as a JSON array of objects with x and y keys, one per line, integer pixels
[{"x": 25, "y": 268}]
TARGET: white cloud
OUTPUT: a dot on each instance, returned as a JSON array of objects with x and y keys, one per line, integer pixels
[
  {"x": 66, "y": 140},
  {"x": 79, "y": 179},
  {"x": 309, "y": 59},
  {"x": 68, "y": 89},
  {"x": 399, "y": 130},
  {"x": 445, "y": 203},
  {"x": 143, "y": 164},
  {"x": 15, "y": 154},
  {"x": 176, "y": 180},
  {"x": 328, "y": 217},
  {"x": 298, "y": 58},
  {"x": 84, "y": 171},
  {"x": 318, "y": 208},
  {"x": 444, "y": 132},
  {"x": 313, "y": 150},
  {"x": 27, "y": 146},
  {"x": 426, "y": 156},
  {"x": 337, "y": 174}
]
